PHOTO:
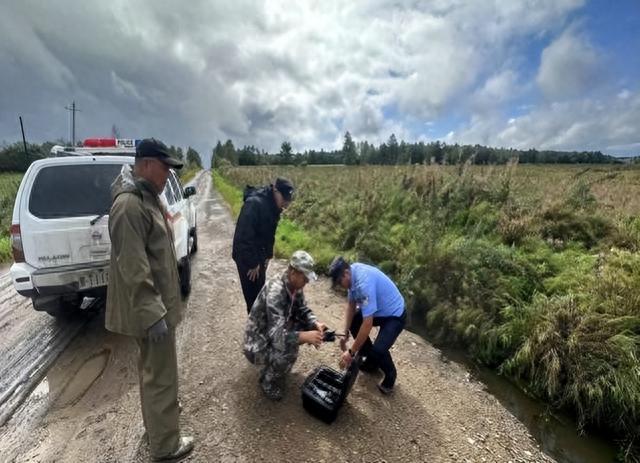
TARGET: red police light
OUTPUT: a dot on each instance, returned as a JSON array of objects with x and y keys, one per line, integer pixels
[{"x": 99, "y": 143}]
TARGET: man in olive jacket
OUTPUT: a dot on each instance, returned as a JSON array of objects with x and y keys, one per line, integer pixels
[{"x": 143, "y": 295}]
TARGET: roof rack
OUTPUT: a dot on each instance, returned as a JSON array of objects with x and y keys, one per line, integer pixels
[
  {"x": 97, "y": 147},
  {"x": 62, "y": 151}
]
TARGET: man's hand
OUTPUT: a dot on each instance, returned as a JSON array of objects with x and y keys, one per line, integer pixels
[
  {"x": 343, "y": 342},
  {"x": 310, "y": 337},
  {"x": 158, "y": 331},
  {"x": 321, "y": 326},
  {"x": 254, "y": 273},
  {"x": 345, "y": 359}
]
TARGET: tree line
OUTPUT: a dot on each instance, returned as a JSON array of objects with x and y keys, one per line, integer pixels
[
  {"x": 14, "y": 159},
  {"x": 393, "y": 152}
]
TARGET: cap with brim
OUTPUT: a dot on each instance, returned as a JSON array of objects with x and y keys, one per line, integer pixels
[
  {"x": 285, "y": 187},
  {"x": 303, "y": 262},
  {"x": 152, "y": 148}
]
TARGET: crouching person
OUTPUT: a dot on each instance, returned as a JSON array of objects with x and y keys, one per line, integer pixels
[{"x": 279, "y": 322}]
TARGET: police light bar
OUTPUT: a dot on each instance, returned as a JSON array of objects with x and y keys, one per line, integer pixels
[
  {"x": 110, "y": 142},
  {"x": 99, "y": 143}
]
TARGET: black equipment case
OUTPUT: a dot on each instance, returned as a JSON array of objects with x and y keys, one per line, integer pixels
[{"x": 325, "y": 390}]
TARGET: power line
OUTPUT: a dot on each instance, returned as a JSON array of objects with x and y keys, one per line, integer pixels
[{"x": 73, "y": 110}]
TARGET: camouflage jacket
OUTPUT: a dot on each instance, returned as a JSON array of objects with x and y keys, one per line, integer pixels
[{"x": 275, "y": 318}]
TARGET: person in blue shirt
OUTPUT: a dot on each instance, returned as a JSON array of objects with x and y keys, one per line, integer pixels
[{"x": 373, "y": 300}]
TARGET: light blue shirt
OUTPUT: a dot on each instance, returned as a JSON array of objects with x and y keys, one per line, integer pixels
[{"x": 374, "y": 293}]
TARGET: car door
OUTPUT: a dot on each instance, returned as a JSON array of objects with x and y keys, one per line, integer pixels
[{"x": 176, "y": 215}]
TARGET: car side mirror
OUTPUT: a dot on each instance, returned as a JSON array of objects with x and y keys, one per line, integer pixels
[{"x": 189, "y": 191}]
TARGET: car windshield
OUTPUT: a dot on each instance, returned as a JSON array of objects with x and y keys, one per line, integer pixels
[{"x": 73, "y": 190}]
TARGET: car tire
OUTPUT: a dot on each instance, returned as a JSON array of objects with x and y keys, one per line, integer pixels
[
  {"x": 56, "y": 306},
  {"x": 184, "y": 271},
  {"x": 194, "y": 243},
  {"x": 59, "y": 313}
]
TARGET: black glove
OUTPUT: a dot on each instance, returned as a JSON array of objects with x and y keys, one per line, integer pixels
[{"x": 158, "y": 331}]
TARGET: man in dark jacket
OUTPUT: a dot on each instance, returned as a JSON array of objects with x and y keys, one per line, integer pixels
[{"x": 255, "y": 234}]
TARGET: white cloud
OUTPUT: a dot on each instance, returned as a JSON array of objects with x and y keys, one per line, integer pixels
[
  {"x": 624, "y": 94},
  {"x": 260, "y": 72},
  {"x": 497, "y": 90},
  {"x": 570, "y": 67},
  {"x": 586, "y": 124}
]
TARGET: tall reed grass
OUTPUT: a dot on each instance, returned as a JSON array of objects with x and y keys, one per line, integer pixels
[{"x": 534, "y": 270}]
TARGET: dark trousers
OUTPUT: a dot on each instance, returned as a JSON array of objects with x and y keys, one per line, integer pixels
[
  {"x": 250, "y": 289},
  {"x": 377, "y": 352}
]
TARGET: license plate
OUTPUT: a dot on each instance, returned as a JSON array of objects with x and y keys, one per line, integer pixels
[{"x": 93, "y": 280}]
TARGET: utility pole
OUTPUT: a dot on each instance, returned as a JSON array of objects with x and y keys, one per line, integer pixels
[
  {"x": 73, "y": 122},
  {"x": 24, "y": 140}
]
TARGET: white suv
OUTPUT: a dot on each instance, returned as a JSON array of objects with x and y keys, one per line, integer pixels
[{"x": 59, "y": 229}]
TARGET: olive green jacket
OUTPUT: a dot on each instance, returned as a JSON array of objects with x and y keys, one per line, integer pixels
[{"x": 144, "y": 285}]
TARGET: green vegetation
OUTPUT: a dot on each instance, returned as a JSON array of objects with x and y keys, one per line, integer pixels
[
  {"x": 289, "y": 236},
  {"x": 532, "y": 269},
  {"x": 9, "y": 183},
  {"x": 187, "y": 173},
  {"x": 14, "y": 159}
]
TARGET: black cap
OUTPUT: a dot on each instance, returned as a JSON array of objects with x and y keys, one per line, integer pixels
[
  {"x": 285, "y": 187},
  {"x": 152, "y": 148},
  {"x": 336, "y": 268}
]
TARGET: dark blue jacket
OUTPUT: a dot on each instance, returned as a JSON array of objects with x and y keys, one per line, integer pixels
[{"x": 256, "y": 227}]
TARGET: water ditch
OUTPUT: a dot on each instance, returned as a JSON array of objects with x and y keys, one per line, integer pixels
[{"x": 556, "y": 433}]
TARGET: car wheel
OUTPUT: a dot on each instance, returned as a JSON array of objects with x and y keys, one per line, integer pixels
[
  {"x": 194, "y": 243},
  {"x": 184, "y": 271},
  {"x": 59, "y": 312},
  {"x": 56, "y": 306}
]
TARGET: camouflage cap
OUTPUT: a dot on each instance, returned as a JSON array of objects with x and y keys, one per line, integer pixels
[{"x": 303, "y": 262}]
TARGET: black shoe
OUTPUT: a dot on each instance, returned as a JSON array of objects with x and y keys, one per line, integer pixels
[
  {"x": 368, "y": 367},
  {"x": 184, "y": 448},
  {"x": 274, "y": 389},
  {"x": 384, "y": 389}
]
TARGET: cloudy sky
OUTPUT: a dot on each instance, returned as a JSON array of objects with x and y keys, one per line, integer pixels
[{"x": 556, "y": 74}]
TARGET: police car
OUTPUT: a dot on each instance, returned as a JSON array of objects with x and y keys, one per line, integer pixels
[{"x": 59, "y": 229}]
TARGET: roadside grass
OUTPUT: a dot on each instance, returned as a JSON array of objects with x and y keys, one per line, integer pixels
[
  {"x": 187, "y": 173},
  {"x": 532, "y": 269},
  {"x": 9, "y": 183},
  {"x": 5, "y": 249}
]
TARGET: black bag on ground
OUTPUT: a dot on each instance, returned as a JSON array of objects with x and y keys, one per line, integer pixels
[{"x": 325, "y": 390}]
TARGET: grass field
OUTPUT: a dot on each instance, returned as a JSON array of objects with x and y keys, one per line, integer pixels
[
  {"x": 533, "y": 269},
  {"x": 9, "y": 183},
  {"x": 187, "y": 173}
]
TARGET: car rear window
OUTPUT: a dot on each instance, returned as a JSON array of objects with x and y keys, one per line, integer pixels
[{"x": 72, "y": 190}]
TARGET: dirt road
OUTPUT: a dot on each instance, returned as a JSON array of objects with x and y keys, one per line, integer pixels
[{"x": 86, "y": 409}]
